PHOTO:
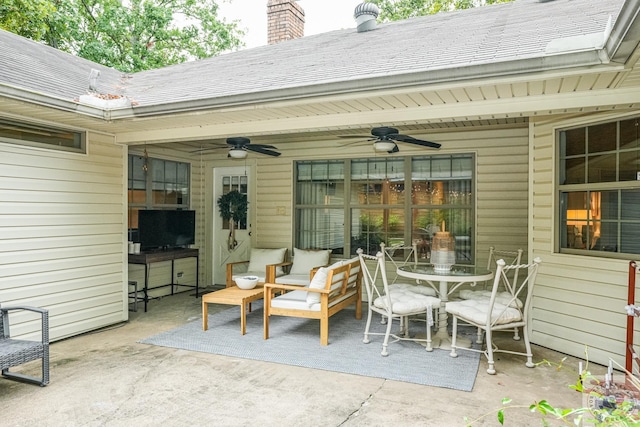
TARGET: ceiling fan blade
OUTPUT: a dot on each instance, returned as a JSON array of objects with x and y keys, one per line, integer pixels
[
  {"x": 261, "y": 146},
  {"x": 358, "y": 136},
  {"x": 258, "y": 149},
  {"x": 395, "y": 149},
  {"x": 203, "y": 150},
  {"x": 412, "y": 140}
]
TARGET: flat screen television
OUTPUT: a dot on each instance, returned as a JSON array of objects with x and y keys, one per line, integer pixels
[{"x": 164, "y": 229}]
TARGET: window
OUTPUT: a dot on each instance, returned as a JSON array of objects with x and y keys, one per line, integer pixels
[
  {"x": 42, "y": 136},
  {"x": 599, "y": 188},
  {"x": 156, "y": 184},
  {"x": 391, "y": 200}
]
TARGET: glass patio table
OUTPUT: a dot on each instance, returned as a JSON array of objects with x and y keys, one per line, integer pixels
[{"x": 445, "y": 283}]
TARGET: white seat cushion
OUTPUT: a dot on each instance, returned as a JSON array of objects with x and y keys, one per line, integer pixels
[
  {"x": 406, "y": 302},
  {"x": 306, "y": 260},
  {"x": 297, "y": 300},
  {"x": 501, "y": 297},
  {"x": 418, "y": 289},
  {"x": 294, "y": 279},
  {"x": 260, "y": 258},
  {"x": 476, "y": 311}
]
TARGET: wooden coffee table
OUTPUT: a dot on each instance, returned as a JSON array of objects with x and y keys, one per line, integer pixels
[{"x": 232, "y": 296}]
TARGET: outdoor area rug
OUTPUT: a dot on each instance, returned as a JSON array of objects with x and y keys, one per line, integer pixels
[{"x": 294, "y": 341}]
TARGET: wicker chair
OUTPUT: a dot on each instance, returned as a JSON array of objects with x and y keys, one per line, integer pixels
[{"x": 15, "y": 352}]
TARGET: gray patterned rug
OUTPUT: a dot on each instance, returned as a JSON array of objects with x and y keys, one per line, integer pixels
[{"x": 296, "y": 342}]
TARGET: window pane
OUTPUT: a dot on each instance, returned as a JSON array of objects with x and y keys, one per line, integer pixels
[
  {"x": 574, "y": 171},
  {"x": 41, "y": 136},
  {"x": 320, "y": 229},
  {"x": 574, "y": 141},
  {"x": 602, "y": 137},
  {"x": 602, "y": 168},
  {"x": 427, "y": 222},
  {"x": 370, "y": 227},
  {"x": 376, "y": 182}
]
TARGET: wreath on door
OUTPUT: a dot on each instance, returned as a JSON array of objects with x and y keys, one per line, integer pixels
[{"x": 233, "y": 208}]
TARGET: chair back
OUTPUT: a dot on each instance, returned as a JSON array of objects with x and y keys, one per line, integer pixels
[
  {"x": 511, "y": 258},
  {"x": 399, "y": 256},
  {"x": 371, "y": 276},
  {"x": 512, "y": 303}
]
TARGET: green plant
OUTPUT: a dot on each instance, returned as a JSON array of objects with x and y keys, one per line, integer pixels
[{"x": 613, "y": 413}]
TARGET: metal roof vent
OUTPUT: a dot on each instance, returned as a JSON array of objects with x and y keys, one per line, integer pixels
[{"x": 365, "y": 15}]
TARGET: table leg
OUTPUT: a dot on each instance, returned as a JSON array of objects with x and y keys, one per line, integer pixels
[
  {"x": 243, "y": 317},
  {"x": 442, "y": 339},
  {"x": 205, "y": 315}
]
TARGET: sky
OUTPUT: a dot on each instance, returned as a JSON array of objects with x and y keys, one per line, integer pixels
[{"x": 320, "y": 16}]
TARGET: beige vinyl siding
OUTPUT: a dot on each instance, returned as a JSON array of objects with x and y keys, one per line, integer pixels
[
  {"x": 578, "y": 305},
  {"x": 62, "y": 224}
]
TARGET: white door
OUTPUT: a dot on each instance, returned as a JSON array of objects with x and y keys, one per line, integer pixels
[{"x": 224, "y": 181}]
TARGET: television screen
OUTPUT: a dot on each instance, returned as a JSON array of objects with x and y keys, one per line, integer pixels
[{"x": 163, "y": 229}]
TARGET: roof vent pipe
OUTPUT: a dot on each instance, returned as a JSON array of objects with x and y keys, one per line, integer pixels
[{"x": 365, "y": 15}]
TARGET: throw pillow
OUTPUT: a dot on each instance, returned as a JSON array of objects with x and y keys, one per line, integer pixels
[
  {"x": 305, "y": 260},
  {"x": 260, "y": 258},
  {"x": 318, "y": 282}
]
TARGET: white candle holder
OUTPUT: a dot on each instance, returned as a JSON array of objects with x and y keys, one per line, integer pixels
[{"x": 443, "y": 251}]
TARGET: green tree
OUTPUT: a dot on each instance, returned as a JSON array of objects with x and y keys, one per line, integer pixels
[
  {"x": 394, "y": 10},
  {"x": 129, "y": 36}
]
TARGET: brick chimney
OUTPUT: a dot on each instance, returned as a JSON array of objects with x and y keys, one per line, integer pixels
[{"x": 285, "y": 21}]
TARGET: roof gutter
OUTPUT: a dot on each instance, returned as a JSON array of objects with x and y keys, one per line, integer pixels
[
  {"x": 625, "y": 34},
  {"x": 521, "y": 67},
  {"x": 37, "y": 98}
]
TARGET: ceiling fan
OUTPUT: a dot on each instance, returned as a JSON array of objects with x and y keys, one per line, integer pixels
[
  {"x": 239, "y": 147},
  {"x": 385, "y": 139}
]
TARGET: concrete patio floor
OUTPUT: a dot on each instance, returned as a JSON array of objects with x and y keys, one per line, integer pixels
[{"x": 105, "y": 378}]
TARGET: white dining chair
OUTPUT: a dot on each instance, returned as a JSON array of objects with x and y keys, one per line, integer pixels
[
  {"x": 395, "y": 304},
  {"x": 400, "y": 256},
  {"x": 510, "y": 258},
  {"x": 501, "y": 311}
]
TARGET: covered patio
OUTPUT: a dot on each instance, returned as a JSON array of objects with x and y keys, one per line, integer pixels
[{"x": 505, "y": 104}]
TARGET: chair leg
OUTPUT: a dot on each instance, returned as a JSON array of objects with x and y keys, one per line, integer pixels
[
  {"x": 479, "y": 336},
  {"x": 324, "y": 330},
  {"x": 489, "y": 352},
  {"x": 385, "y": 343},
  {"x": 266, "y": 323},
  {"x": 516, "y": 337},
  {"x": 454, "y": 334},
  {"x": 404, "y": 326},
  {"x": 366, "y": 339},
  {"x": 527, "y": 345},
  {"x": 429, "y": 346}
]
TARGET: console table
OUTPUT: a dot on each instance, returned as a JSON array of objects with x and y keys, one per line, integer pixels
[{"x": 148, "y": 258}]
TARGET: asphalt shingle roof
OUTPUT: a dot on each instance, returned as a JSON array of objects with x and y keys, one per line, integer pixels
[{"x": 492, "y": 34}]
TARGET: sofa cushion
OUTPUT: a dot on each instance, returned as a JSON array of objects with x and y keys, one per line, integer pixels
[
  {"x": 306, "y": 260},
  {"x": 294, "y": 279},
  {"x": 260, "y": 258}
]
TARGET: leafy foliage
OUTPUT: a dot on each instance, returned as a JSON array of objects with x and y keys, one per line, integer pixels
[
  {"x": 129, "y": 36},
  {"x": 394, "y": 10}
]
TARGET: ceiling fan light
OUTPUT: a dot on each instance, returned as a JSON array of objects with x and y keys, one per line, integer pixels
[
  {"x": 237, "y": 153},
  {"x": 384, "y": 145}
]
